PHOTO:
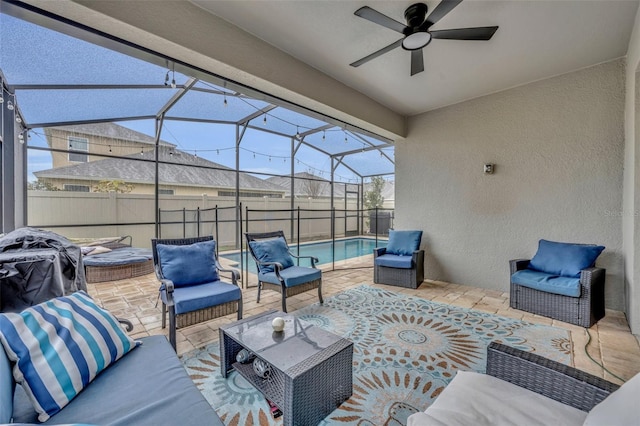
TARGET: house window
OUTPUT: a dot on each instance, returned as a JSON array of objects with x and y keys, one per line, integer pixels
[
  {"x": 165, "y": 191},
  {"x": 78, "y": 144},
  {"x": 76, "y": 188}
]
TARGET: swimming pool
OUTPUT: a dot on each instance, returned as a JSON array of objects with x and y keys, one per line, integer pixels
[{"x": 344, "y": 249}]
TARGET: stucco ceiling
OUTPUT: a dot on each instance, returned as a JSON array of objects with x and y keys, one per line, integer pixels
[{"x": 537, "y": 39}]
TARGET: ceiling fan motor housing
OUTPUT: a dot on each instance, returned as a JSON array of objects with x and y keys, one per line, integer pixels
[{"x": 415, "y": 15}]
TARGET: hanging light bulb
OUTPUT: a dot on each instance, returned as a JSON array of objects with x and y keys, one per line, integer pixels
[
  {"x": 141, "y": 151},
  {"x": 21, "y": 137},
  {"x": 297, "y": 132},
  {"x": 166, "y": 78},
  {"x": 225, "y": 99},
  {"x": 110, "y": 148},
  {"x": 345, "y": 138},
  {"x": 218, "y": 151},
  {"x": 195, "y": 152},
  {"x": 265, "y": 119},
  {"x": 269, "y": 158},
  {"x": 324, "y": 132},
  {"x": 10, "y": 106},
  {"x": 254, "y": 155},
  {"x": 173, "y": 76},
  {"x": 18, "y": 119},
  {"x": 284, "y": 160},
  {"x": 171, "y": 153}
]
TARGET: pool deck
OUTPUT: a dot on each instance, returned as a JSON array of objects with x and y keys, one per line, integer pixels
[{"x": 137, "y": 300}]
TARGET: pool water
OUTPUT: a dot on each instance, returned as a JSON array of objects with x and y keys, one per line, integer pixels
[{"x": 344, "y": 249}]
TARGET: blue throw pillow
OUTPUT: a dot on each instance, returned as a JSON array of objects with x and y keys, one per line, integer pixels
[
  {"x": 403, "y": 243},
  {"x": 59, "y": 347},
  {"x": 272, "y": 250},
  {"x": 188, "y": 264},
  {"x": 564, "y": 259}
]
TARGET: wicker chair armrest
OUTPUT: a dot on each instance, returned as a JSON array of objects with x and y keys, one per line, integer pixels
[
  {"x": 168, "y": 286},
  {"x": 128, "y": 325},
  {"x": 516, "y": 265},
  {"x": 547, "y": 377},
  {"x": 235, "y": 274},
  {"x": 379, "y": 251},
  {"x": 591, "y": 276},
  {"x": 313, "y": 259}
]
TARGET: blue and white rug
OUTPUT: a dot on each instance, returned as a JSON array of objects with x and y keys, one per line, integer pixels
[{"x": 406, "y": 350}]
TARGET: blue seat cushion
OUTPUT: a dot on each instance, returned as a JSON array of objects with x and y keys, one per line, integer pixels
[
  {"x": 195, "y": 297},
  {"x": 292, "y": 276},
  {"x": 272, "y": 250},
  {"x": 565, "y": 259},
  {"x": 566, "y": 286},
  {"x": 403, "y": 243},
  {"x": 188, "y": 264},
  {"x": 118, "y": 257},
  {"x": 394, "y": 261}
]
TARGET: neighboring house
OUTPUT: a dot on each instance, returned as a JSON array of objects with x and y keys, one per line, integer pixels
[
  {"x": 308, "y": 185},
  {"x": 100, "y": 138},
  {"x": 191, "y": 176}
]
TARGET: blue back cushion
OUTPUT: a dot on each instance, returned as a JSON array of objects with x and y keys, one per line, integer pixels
[
  {"x": 564, "y": 259},
  {"x": 189, "y": 264},
  {"x": 272, "y": 250},
  {"x": 403, "y": 243}
]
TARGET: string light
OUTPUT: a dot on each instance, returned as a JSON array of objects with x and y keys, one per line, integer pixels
[
  {"x": 21, "y": 137},
  {"x": 110, "y": 148},
  {"x": 218, "y": 151},
  {"x": 10, "y": 105},
  {"x": 1, "y": 92},
  {"x": 173, "y": 75},
  {"x": 265, "y": 119},
  {"x": 18, "y": 119},
  {"x": 324, "y": 134},
  {"x": 225, "y": 100},
  {"x": 297, "y": 132},
  {"x": 166, "y": 78},
  {"x": 269, "y": 158}
]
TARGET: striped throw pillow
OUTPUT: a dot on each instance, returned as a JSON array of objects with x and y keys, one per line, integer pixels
[{"x": 59, "y": 347}]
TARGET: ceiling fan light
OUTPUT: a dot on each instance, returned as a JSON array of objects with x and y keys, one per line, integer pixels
[{"x": 417, "y": 40}]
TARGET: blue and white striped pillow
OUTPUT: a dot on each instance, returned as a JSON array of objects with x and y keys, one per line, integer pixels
[{"x": 59, "y": 347}]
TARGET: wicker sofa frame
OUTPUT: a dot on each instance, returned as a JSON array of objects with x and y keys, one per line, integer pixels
[
  {"x": 552, "y": 379},
  {"x": 194, "y": 317},
  {"x": 409, "y": 278},
  {"x": 281, "y": 288},
  {"x": 584, "y": 311}
]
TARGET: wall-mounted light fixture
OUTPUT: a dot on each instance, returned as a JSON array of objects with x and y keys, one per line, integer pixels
[{"x": 489, "y": 168}]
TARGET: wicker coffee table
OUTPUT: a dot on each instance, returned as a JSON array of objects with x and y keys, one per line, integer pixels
[{"x": 310, "y": 369}]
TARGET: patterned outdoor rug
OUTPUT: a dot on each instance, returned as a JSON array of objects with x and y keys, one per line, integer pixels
[{"x": 406, "y": 350}]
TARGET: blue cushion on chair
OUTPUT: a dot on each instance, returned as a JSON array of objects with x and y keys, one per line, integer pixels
[
  {"x": 188, "y": 264},
  {"x": 196, "y": 297},
  {"x": 272, "y": 250},
  {"x": 403, "y": 243},
  {"x": 565, "y": 259},
  {"x": 293, "y": 276},
  {"x": 566, "y": 286},
  {"x": 394, "y": 261}
]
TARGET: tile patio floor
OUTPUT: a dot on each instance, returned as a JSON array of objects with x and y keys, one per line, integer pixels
[{"x": 135, "y": 299}]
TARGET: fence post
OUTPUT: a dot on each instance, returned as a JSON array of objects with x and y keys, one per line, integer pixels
[
  {"x": 197, "y": 221},
  {"x": 184, "y": 222},
  {"x": 217, "y": 232},
  {"x": 376, "y": 212}
]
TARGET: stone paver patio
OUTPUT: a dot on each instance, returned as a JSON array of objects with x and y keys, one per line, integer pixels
[{"x": 137, "y": 300}]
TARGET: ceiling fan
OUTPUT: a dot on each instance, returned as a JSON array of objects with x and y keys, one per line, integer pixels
[{"x": 417, "y": 34}]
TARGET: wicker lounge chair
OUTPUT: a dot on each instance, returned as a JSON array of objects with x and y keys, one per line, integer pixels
[
  {"x": 276, "y": 269},
  {"x": 401, "y": 263},
  {"x": 560, "y": 282},
  {"x": 191, "y": 288}
]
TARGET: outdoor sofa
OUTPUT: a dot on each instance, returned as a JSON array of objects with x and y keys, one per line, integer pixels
[
  {"x": 146, "y": 386},
  {"x": 524, "y": 388}
]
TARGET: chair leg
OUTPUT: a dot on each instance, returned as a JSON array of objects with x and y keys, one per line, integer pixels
[
  {"x": 172, "y": 327},
  {"x": 284, "y": 301},
  {"x": 259, "y": 289},
  {"x": 240, "y": 308},
  {"x": 164, "y": 315},
  {"x": 320, "y": 293}
]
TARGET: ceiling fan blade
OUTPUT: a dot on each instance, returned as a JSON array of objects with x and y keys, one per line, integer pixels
[
  {"x": 477, "y": 33},
  {"x": 444, "y": 7},
  {"x": 417, "y": 62},
  {"x": 378, "y": 18},
  {"x": 378, "y": 53}
]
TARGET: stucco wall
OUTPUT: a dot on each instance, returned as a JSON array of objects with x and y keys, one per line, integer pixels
[
  {"x": 558, "y": 149},
  {"x": 631, "y": 195}
]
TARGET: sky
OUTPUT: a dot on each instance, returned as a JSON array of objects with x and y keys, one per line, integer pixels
[{"x": 30, "y": 54}]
